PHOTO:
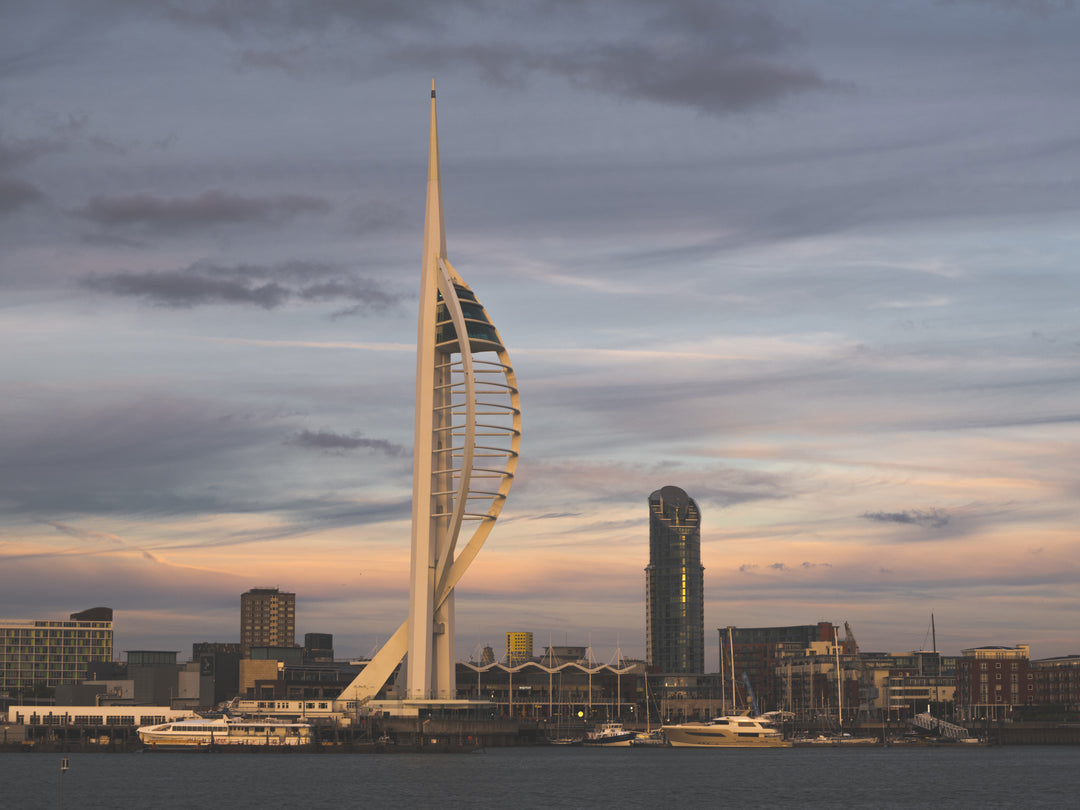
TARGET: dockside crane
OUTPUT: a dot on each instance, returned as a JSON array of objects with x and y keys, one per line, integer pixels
[{"x": 867, "y": 689}]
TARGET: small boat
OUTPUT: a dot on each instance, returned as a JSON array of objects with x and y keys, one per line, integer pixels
[
  {"x": 224, "y": 731},
  {"x": 838, "y": 740},
  {"x": 739, "y": 731},
  {"x": 653, "y": 739},
  {"x": 565, "y": 740},
  {"x": 609, "y": 734}
]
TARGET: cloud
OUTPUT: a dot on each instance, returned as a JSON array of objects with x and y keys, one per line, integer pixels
[
  {"x": 150, "y": 454},
  {"x": 708, "y": 56},
  {"x": 325, "y": 440},
  {"x": 711, "y": 57},
  {"x": 213, "y": 207},
  {"x": 1039, "y": 8},
  {"x": 14, "y": 194},
  {"x": 237, "y": 17},
  {"x": 267, "y": 287},
  {"x": 182, "y": 289},
  {"x": 932, "y": 519},
  {"x": 84, "y": 534}
]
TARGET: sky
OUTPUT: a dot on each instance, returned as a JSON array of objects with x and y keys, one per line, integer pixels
[{"x": 813, "y": 262}]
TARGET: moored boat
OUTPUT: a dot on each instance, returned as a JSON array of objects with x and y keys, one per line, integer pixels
[
  {"x": 224, "y": 731},
  {"x": 609, "y": 734},
  {"x": 741, "y": 731},
  {"x": 653, "y": 739},
  {"x": 838, "y": 740}
]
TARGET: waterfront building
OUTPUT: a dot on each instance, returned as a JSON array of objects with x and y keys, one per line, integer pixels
[
  {"x": 519, "y": 647},
  {"x": 49, "y": 652},
  {"x": 318, "y": 648},
  {"x": 991, "y": 681},
  {"x": 219, "y": 670},
  {"x": 572, "y": 692},
  {"x": 759, "y": 651},
  {"x": 565, "y": 655},
  {"x": 1055, "y": 681},
  {"x": 156, "y": 676},
  {"x": 467, "y": 433},
  {"x": 675, "y": 584},
  {"x": 267, "y": 619}
]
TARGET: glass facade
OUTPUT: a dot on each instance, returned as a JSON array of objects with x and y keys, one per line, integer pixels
[{"x": 675, "y": 584}]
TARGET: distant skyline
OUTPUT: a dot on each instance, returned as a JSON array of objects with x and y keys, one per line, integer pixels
[{"x": 814, "y": 263}]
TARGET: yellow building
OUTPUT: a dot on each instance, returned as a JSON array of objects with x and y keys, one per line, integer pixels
[{"x": 519, "y": 647}]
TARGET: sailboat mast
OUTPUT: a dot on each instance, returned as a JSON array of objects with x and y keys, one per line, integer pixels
[
  {"x": 731, "y": 649},
  {"x": 723, "y": 680},
  {"x": 839, "y": 683}
]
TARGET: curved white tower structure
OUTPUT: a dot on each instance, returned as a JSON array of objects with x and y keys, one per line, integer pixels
[{"x": 467, "y": 435}]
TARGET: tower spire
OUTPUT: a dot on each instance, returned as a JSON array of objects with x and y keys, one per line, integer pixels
[
  {"x": 434, "y": 229},
  {"x": 466, "y": 439}
]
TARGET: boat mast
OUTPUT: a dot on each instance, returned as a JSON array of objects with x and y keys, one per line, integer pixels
[
  {"x": 731, "y": 649},
  {"x": 839, "y": 685},
  {"x": 723, "y": 683}
]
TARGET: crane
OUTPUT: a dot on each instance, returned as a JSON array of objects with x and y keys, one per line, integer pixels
[{"x": 867, "y": 690}]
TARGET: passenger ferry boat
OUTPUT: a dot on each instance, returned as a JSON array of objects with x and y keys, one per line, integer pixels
[
  {"x": 224, "y": 731},
  {"x": 741, "y": 731}
]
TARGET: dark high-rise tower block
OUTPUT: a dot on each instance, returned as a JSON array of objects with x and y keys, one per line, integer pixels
[{"x": 675, "y": 584}]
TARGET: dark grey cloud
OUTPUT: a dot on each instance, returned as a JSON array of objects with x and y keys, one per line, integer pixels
[
  {"x": 150, "y": 455},
  {"x": 185, "y": 289},
  {"x": 1040, "y": 8},
  {"x": 240, "y": 16},
  {"x": 714, "y": 57},
  {"x": 15, "y": 194},
  {"x": 337, "y": 442},
  {"x": 213, "y": 207},
  {"x": 18, "y": 152},
  {"x": 930, "y": 519},
  {"x": 711, "y": 55},
  {"x": 267, "y": 287}
]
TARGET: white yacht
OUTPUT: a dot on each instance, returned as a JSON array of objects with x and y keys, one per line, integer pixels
[
  {"x": 741, "y": 731},
  {"x": 204, "y": 733}
]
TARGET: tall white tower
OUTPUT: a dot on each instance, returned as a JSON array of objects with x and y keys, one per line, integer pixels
[{"x": 467, "y": 436}]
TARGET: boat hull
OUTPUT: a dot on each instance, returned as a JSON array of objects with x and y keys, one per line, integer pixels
[
  {"x": 620, "y": 741},
  {"x": 196, "y": 735},
  {"x": 725, "y": 732},
  {"x": 678, "y": 741}
]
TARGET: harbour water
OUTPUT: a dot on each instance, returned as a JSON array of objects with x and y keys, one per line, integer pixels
[{"x": 954, "y": 777}]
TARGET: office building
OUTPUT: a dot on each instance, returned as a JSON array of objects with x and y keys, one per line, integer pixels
[
  {"x": 267, "y": 619},
  {"x": 675, "y": 584},
  {"x": 49, "y": 652}
]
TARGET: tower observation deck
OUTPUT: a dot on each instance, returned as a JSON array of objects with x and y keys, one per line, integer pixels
[{"x": 467, "y": 436}]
